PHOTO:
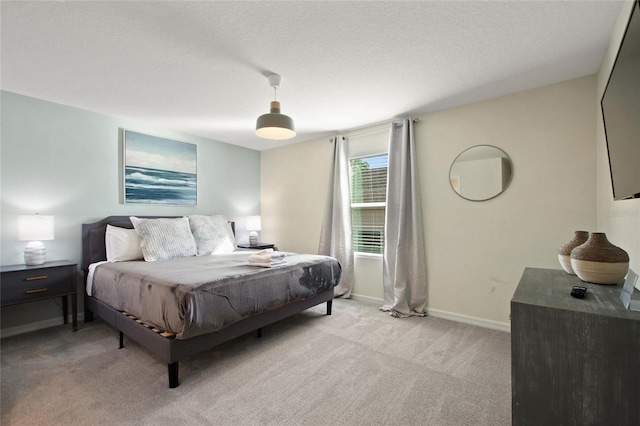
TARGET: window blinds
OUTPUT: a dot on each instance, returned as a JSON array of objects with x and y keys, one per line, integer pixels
[{"x": 368, "y": 196}]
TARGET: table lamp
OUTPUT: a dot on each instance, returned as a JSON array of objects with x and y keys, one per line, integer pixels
[
  {"x": 35, "y": 228},
  {"x": 253, "y": 225}
]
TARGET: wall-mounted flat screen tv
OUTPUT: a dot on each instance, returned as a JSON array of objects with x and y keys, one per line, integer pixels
[{"x": 621, "y": 113}]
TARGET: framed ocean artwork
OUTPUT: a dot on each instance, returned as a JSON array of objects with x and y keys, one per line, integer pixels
[{"x": 159, "y": 170}]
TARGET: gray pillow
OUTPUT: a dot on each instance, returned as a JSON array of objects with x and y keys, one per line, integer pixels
[
  {"x": 164, "y": 238},
  {"x": 213, "y": 234}
]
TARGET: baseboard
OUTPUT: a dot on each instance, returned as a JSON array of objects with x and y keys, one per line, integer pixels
[
  {"x": 367, "y": 299},
  {"x": 34, "y": 326},
  {"x": 480, "y": 322},
  {"x": 451, "y": 316}
]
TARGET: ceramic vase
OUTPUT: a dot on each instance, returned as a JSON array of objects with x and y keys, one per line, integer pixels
[
  {"x": 564, "y": 252},
  {"x": 598, "y": 261}
]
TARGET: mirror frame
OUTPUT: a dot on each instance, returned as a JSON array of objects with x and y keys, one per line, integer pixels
[{"x": 503, "y": 155}]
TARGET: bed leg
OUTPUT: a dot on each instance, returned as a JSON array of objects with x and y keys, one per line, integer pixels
[
  {"x": 329, "y": 303},
  {"x": 88, "y": 314},
  {"x": 259, "y": 333},
  {"x": 173, "y": 375},
  {"x": 121, "y": 340}
]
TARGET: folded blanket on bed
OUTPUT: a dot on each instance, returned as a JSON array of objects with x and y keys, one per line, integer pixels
[
  {"x": 269, "y": 264},
  {"x": 268, "y": 258}
]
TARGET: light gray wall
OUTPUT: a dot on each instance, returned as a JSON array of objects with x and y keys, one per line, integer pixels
[
  {"x": 620, "y": 220},
  {"x": 66, "y": 162}
]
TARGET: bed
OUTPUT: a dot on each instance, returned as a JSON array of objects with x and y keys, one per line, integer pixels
[{"x": 179, "y": 306}]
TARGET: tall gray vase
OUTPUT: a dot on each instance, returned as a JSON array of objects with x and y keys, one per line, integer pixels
[
  {"x": 564, "y": 252},
  {"x": 598, "y": 261}
]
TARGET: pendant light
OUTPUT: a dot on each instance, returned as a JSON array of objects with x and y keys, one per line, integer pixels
[{"x": 275, "y": 125}]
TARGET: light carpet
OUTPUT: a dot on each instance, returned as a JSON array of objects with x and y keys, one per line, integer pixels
[{"x": 358, "y": 366}]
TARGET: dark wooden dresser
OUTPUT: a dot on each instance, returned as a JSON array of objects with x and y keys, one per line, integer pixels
[{"x": 573, "y": 361}]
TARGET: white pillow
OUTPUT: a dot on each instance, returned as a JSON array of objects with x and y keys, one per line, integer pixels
[
  {"x": 164, "y": 238},
  {"x": 122, "y": 244},
  {"x": 213, "y": 234}
]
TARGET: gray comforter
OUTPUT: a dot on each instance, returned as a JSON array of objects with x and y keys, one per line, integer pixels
[{"x": 198, "y": 295}]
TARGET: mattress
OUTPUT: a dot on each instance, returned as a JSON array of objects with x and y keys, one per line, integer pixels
[{"x": 196, "y": 295}]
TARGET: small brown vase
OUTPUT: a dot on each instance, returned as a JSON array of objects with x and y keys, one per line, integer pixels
[
  {"x": 564, "y": 252},
  {"x": 598, "y": 261}
]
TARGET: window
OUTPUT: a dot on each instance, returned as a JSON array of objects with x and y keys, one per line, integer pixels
[{"x": 368, "y": 197}]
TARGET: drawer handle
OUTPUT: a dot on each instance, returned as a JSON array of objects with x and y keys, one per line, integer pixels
[
  {"x": 39, "y": 277},
  {"x": 37, "y": 290}
]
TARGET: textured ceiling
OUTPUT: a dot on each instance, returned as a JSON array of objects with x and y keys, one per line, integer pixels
[{"x": 199, "y": 67}]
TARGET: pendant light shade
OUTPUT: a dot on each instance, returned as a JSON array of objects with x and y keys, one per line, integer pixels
[{"x": 275, "y": 125}]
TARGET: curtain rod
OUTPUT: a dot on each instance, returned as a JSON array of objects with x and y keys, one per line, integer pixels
[{"x": 414, "y": 120}]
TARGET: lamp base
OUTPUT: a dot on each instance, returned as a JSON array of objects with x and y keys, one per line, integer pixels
[
  {"x": 35, "y": 253},
  {"x": 253, "y": 238}
]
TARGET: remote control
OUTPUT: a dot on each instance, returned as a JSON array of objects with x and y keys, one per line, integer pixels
[{"x": 579, "y": 292}]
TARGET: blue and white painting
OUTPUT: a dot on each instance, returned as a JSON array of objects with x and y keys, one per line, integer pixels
[{"x": 159, "y": 171}]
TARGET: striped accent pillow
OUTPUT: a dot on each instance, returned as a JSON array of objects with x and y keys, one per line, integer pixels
[{"x": 164, "y": 238}]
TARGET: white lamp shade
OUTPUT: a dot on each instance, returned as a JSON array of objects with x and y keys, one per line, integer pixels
[
  {"x": 254, "y": 223},
  {"x": 35, "y": 227}
]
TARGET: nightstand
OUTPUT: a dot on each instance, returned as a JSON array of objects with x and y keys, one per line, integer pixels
[
  {"x": 24, "y": 284},
  {"x": 259, "y": 246}
]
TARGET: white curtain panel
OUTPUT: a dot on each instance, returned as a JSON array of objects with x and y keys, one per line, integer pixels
[
  {"x": 336, "y": 235},
  {"x": 404, "y": 275}
]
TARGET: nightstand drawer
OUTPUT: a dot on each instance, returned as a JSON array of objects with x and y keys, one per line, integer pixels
[{"x": 25, "y": 286}]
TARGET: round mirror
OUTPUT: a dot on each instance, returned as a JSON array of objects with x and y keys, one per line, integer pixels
[{"x": 481, "y": 173}]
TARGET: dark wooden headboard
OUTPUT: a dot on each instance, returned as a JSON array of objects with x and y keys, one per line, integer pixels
[{"x": 93, "y": 237}]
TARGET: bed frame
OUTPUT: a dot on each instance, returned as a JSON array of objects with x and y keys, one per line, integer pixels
[{"x": 169, "y": 349}]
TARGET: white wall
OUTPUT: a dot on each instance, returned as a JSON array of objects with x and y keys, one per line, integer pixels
[
  {"x": 476, "y": 251},
  {"x": 67, "y": 162},
  {"x": 620, "y": 220},
  {"x": 294, "y": 182}
]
